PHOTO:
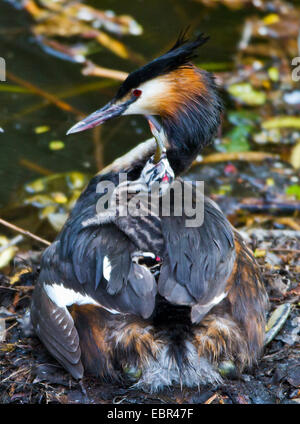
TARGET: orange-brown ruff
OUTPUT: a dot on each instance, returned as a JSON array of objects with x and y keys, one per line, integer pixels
[
  {"x": 196, "y": 297},
  {"x": 183, "y": 86}
]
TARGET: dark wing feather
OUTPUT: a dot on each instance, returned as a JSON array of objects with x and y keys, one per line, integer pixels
[
  {"x": 170, "y": 289},
  {"x": 199, "y": 260},
  {"x": 143, "y": 288},
  {"x": 55, "y": 327},
  {"x": 76, "y": 259},
  {"x": 99, "y": 266},
  {"x": 130, "y": 288}
]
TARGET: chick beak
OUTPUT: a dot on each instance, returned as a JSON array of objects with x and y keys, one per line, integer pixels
[{"x": 109, "y": 111}]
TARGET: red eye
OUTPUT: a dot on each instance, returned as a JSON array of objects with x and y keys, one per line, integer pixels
[{"x": 137, "y": 93}]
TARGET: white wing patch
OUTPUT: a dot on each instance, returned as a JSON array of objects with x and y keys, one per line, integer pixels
[
  {"x": 199, "y": 311},
  {"x": 106, "y": 268},
  {"x": 217, "y": 299},
  {"x": 63, "y": 297}
]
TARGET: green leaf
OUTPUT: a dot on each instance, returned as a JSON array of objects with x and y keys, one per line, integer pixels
[
  {"x": 56, "y": 145},
  {"x": 245, "y": 93},
  {"x": 282, "y": 122},
  {"x": 41, "y": 129},
  {"x": 293, "y": 190},
  {"x": 243, "y": 117},
  {"x": 236, "y": 140}
]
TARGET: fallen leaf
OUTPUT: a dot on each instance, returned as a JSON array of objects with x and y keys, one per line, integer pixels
[
  {"x": 294, "y": 190},
  {"x": 7, "y": 254},
  {"x": 41, "y": 129},
  {"x": 245, "y": 93},
  {"x": 295, "y": 156},
  {"x": 282, "y": 122},
  {"x": 260, "y": 253},
  {"x": 2, "y": 330},
  {"x": 56, "y": 145}
]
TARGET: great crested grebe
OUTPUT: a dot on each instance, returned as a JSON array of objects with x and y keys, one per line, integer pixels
[{"x": 146, "y": 298}]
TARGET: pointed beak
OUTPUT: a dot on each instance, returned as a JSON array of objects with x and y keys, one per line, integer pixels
[{"x": 111, "y": 110}]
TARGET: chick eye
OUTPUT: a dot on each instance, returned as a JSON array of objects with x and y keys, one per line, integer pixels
[{"x": 137, "y": 92}]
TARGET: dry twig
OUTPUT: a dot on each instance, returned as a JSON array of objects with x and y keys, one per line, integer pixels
[{"x": 25, "y": 232}]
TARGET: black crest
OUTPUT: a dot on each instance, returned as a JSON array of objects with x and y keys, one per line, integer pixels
[{"x": 179, "y": 55}]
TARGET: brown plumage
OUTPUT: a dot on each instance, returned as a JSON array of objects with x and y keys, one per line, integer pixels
[
  {"x": 180, "y": 87},
  {"x": 233, "y": 330}
]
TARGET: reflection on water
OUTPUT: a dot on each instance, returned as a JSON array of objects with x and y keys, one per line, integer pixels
[{"x": 22, "y": 112}]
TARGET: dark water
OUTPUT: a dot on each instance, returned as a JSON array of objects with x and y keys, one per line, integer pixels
[{"x": 22, "y": 112}]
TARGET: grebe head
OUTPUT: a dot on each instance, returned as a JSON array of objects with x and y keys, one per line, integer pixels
[{"x": 170, "y": 86}]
